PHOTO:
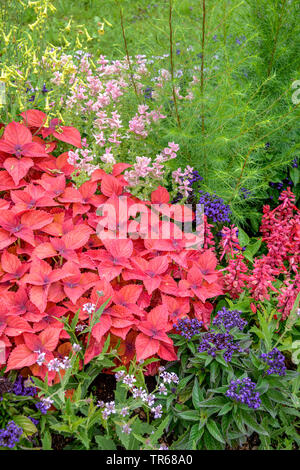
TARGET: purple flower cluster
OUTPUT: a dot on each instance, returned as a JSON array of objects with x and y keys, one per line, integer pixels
[
  {"x": 10, "y": 435},
  {"x": 194, "y": 178},
  {"x": 244, "y": 391},
  {"x": 214, "y": 207},
  {"x": 212, "y": 342},
  {"x": 188, "y": 327},
  {"x": 21, "y": 388},
  {"x": 44, "y": 405},
  {"x": 246, "y": 193},
  {"x": 148, "y": 93},
  {"x": 295, "y": 163},
  {"x": 229, "y": 319},
  {"x": 275, "y": 361}
]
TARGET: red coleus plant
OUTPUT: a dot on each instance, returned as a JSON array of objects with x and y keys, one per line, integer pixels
[{"x": 54, "y": 261}]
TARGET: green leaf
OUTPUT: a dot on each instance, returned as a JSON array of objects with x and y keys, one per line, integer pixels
[
  {"x": 210, "y": 442},
  {"x": 252, "y": 249},
  {"x": 195, "y": 436},
  {"x": 190, "y": 415},
  {"x": 278, "y": 397},
  {"x": 26, "y": 424},
  {"x": 46, "y": 441},
  {"x": 159, "y": 431},
  {"x": 197, "y": 396},
  {"x": 252, "y": 423},
  {"x": 225, "y": 409},
  {"x": 243, "y": 237},
  {"x": 105, "y": 443},
  {"x": 213, "y": 402},
  {"x": 124, "y": 438},
  {"x": 295, "y": 175},
  {"x": 215, "y": 431}
]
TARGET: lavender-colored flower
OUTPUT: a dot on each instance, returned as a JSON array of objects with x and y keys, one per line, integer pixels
[
  {"x": 276, "y": 362},
  {"x": 157, "y": 411},
  {"x": 169, "y": 377},
  {"x": 59, "y": 364},
  {"x": 41, "y": 357},
  {"x": 243, "y": 391},
  {"x": 149, "y": 400},
  {"x": 119, "y": 375},
  {"x": 124, "y": 411},
  {"x": 76, "y": 347},
  {"x": 214, "y": 207},
  {"x": 211, "y": 342},
  {"x": 139, "y": 393},
  {"x": 229, "y": 319},
  {"x": 164, "y": 447},
  {"x": 129, "y": 380},
  {"x": 80, "y": 328},
  {"x": 10, "y": 435},
  {"x": 188, "y": 327},
  {"x": 111, "y": 407},
  {"x": 162, "y": 389},
  {"x": 89, "y": 307},
  {"x": 126, "y": 429}
]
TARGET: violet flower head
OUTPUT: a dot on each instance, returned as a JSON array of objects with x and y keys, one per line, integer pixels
[
  {"x": 23, "y": 388},
  {"x": 214, "y": 207},
  {"x": 243, "y": 391},
  {"x": 44, "y": 405},
  {"x": 229, "y": 319},
  {"x": 276, "y": 362},
  {"x": 212, "y": 342},
  {"x": 10, "y": 435},
  {"x": 188, "y": 328}
]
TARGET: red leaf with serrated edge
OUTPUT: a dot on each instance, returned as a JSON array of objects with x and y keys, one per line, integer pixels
[
  {"x": 166, "y": 352},
  {"x": 17, "y": 326},
  {"x": 20, "y": 357},
  {"x": 110, "y": 186},
  {"x": 34, "y": 118},
  {"x": 160, "y": 196},
  {"x": 99, "y": 330},
  {"x": 70, "y": 135},
  {"x": 37, "y": 219},
  {"x": 77, "y": 237},
  {"x": 17, "y": 168},
  {"x": 9, "y": 262},
  {"x": 145, "y": 347},
  {"x": 118, "y": 168},
  {"x": 49, "y": 338}
]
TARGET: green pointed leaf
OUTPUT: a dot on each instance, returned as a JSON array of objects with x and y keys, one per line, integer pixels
[{"x": 215, "y": 431}]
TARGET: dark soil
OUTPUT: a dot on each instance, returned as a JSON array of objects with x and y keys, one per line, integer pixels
[
  {"x": 59, "y": 442},
  {"x": 104, "y": 386}
]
